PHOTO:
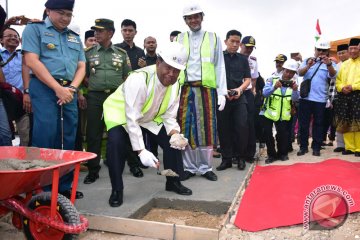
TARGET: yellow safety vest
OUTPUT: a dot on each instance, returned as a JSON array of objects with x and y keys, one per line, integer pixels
[
  {"x": 277, "y": 105},
  {"x": 208, "y": 74},
  {"x": 114, "y": 105}
]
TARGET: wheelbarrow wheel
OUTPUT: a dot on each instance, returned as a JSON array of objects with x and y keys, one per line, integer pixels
[{"x": 65, "y": 213}]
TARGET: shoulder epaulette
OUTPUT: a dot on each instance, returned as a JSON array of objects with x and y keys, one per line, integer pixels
[
  {"x": 88, "y": 48},
  {"x": 120, "y": 49},
  {"x": 37, "y": 21},
  {"x": 253, "y": 58},
  {"x": 73, "y": 32}
]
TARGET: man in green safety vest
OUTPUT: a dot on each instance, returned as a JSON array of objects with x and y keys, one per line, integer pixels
[
  {"x": 203, "y": 88},
  {"x": 279, "y": 91},
  {"x": 147, "y": 102}
]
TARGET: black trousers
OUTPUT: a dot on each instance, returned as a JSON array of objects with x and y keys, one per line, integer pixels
[
  {"x": 329, "y": 122},
  {"x": 232, "y": 125},
  {"x": 282, "y": 132},
  {"x": 117, "y": 152},
  {"x": 251, "y": 143}
]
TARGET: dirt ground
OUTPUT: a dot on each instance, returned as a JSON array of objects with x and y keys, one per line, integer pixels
[{"x": 182, "y": 217}]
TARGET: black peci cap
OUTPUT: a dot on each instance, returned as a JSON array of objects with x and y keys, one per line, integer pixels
[
  {"x": 342, "y": 47},
  {"x": 60, "y": 4}
]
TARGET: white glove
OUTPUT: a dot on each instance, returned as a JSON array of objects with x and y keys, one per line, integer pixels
[
  {"x": 221, "y": 102},
  {"x": 178, "y": 141},
  {"x": 148, "y": 159}
]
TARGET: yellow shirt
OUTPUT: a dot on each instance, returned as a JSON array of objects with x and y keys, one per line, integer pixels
[{"x": 349, "y": 74}]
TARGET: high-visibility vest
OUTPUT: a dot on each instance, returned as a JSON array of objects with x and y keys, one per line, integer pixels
[
  {"x": 208, "y": 45},
  {"x": 277, "y": 105},
  {"x": 114, "y": 105}
]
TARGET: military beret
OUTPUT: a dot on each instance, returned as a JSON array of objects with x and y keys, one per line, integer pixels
[
  {"x": 248, "y": 41},
  {"x": 281, "y": 58},
  {"x": 103, "y": 23},
  {"x": 354, "y": 42},
  {"x": 89, "y": 33},
  {"x": 342, "y": 47},
  {"x": 60, "y": 4}
]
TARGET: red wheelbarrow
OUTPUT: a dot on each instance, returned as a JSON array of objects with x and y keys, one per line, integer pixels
[{"x": 42, "y": 215}]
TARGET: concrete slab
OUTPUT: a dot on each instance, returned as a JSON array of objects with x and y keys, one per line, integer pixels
[{"x": 139, "y": 191}]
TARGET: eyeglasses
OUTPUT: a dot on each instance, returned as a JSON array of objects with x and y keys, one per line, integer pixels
[
  {"x": 64, "y": 14},
  {"x": 322, "y": 50},
  {"x": 12, "y": 36}
]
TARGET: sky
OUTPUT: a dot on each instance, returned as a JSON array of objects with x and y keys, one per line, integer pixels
[{"x": 278, "y": 26}]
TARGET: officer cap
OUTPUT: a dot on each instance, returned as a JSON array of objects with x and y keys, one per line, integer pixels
[
  {"x": 103, "y": 23},
  {"x": 281, "y": 58},
  {"x": 60, "y": 4},
  {"x": 89, "y": 33},
  {"x": 354, "y": 42},
  {"x": 248, "y": 41},
  {"x": 342, "y": 47}
]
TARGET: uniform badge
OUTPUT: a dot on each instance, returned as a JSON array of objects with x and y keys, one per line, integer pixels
[
  {"x": 93, "y": 70},
  {"x": 50, "y": 46},
  {"x": 96, "y": 62}
]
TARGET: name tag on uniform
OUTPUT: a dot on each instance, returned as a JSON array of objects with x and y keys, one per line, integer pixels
[{"x": 48, "y": 34}]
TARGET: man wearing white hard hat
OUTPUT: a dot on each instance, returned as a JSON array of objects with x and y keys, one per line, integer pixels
[
  {"x": 203, "y": 88},
  {"x": 316, "y": 72},
  {"x": 147, "y": 102},
  {"x": 279, "y": 92}
]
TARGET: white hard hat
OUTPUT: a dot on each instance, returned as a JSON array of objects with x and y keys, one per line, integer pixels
[
  {"x": 174, "y": 54},
  {"x": 291, "y": 65},
  {"x": 191, "y": 9},
  {"x": 322, "y": 44}
]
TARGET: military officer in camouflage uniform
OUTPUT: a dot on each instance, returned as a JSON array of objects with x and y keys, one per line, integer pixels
[{"x": 107, "y": 66}]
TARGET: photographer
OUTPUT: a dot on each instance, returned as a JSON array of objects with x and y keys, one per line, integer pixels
[
  {"x": 316, "y": 71},
  {"x": 279, "y": 93}
]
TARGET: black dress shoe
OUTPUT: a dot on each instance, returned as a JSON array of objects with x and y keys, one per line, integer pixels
[
  {"x": 210, "y": 175},
  {"x": 90, "y": 178},
  {"x": 316, "y": 153},
  {"x": 284, "y": 157},
  {"x": 302, "y": 152},
  {"x": 116, "y": 198},
  {"x": 339, "y": 149},
  {"x": 178, "y": 188},
  {"x": 357, "y": 154},
  {"x": 224, "y": 165},
  {"x": 187, "y": 175},
  {"x": 241, "y": 164},
  {"x": 347, "y": 152},
  {"x": 136, "y": 172},
  {"x": 67, "y": 194},
  {"x": 270, "y": 160}
]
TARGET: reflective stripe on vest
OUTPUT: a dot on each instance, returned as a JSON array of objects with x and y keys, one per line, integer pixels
[
  {"x": 278, "y": 105},
  {"x": 208, "y": 46},
  {"x": 114, "y": 105}
]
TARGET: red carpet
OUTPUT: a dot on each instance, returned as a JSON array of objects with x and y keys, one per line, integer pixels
[{"x": 276, "y": 195}]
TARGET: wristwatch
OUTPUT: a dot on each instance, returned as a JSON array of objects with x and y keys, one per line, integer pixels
[
  {"x": 329, "y": 64},
  {"x": 75, "y": 88},
  {"x": 26, "y": 91}
]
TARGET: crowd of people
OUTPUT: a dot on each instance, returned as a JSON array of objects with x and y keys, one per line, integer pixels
[{"x": 191, "y": 98}]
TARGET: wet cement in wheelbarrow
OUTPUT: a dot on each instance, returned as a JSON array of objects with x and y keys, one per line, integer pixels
[
  {"x": 12, "y": 164},
  {"x": 184, "y": 217}
]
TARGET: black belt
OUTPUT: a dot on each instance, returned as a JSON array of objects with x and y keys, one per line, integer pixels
[
  {"x": 104, "y": 91},
  {"x": 62, "y": 82}
]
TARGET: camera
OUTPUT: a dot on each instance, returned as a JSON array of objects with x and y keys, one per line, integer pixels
[
  {"x": 232, "y": 93},
  {"x": 286, "y": 83}
]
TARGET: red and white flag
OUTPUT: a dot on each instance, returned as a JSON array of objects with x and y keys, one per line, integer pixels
[{"x": 318, "y": 30}]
